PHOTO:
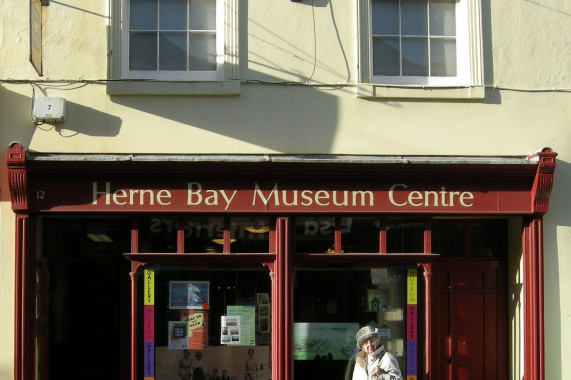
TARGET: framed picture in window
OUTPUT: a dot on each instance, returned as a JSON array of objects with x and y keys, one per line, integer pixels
[
  {"x": 380, "y": 300},
  {"x": 189, "y": 294}
]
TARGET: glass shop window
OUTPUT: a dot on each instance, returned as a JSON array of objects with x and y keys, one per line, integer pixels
[
  {"x": 405, "y": 235},
  {"x": 315, "y": 234},
  {"x": 470, "y": 238},
  {"x": 332, "y": 304},
  {"x": 204, "y": 323},
  {"x": 359, "y": 234},
  {"x": 204, "y": 234}
]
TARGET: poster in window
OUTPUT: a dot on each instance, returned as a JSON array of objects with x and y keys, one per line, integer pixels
[
  {"x": 324, "y": 341},
  {"x": 247, "y": 316},
  {"x": 189, "y": 294},
  {"x": 379, "y": 300},
  {"x": 178, "y": 335},
  {"x": 230, "y": 330}
]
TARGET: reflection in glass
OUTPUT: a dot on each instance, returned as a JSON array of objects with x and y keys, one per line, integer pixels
[
  {"x": 442, "y": 57},
  {"x": 142, "y": 51},
  {"x": 172, "y": 15},
  {"x": 201, "y": 234},
  {"x": 415, "y": 56},
  {"x": 386, "y": 56},
  {"x": 385, "y": 17},
  {"x": 405, "y": 235},
  {"x": 143, "y": 14},
  {"x": 360, "y": 235},
  {"x": 202, "y": 15},
  {"x": 172, "y": 51},
  {"x": 314, "y": 234},
  {"x": 251, "y": 234},
  {"x": 202, "y": 51},
  {"x": 442, "y": 18},
  {"x": 413, "y": 18},
  {"x": 158, "y": 235}
]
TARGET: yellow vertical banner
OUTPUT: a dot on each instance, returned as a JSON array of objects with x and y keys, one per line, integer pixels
[
  {"x": 411, "y": 292},
  {"x": 149, "y": 287}
]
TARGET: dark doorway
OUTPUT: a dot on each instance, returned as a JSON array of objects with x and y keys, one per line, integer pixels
[{"x": 85, "y": 299}]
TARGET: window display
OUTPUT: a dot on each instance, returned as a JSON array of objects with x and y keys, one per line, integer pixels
[{"x": 199, "y": 323}]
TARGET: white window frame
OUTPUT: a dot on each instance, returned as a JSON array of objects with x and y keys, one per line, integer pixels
[
  {"x": 468, "y": 48},
  {"x": 223, "y": 81}
]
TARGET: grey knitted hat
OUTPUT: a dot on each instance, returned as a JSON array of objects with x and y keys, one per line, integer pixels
[{"x": 366, "y": 333}]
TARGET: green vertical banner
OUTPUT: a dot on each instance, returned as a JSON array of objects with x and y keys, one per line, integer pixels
[
  {"x": 149, "y": 325},
  {"x": 411, "y": 324}
]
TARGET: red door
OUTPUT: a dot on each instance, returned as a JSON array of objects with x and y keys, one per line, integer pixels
[{"x": 472, "y": 320}]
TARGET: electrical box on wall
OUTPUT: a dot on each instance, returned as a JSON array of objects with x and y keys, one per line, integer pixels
[{"x": 49, "y": 109}]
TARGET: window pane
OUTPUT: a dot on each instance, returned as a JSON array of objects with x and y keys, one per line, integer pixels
[
  {"x": 415, "y": 56},
  {"x": 202, "y": 51},
  {"x": 143, "y": 15},
  {"x": 202, "y": 15},
  {"x": 385, "y": 17},
  {"x": 488, "y": 239},
  {"x": 158, "y": 235},
  {"x": 203, "y": 234},
  {"x": 443, "y": 57},
  {"x": 173, "y": 15},
  {"x": 414, "y": 20},
  {"x": 172, "y": 51},
  {"x": 142, "y": 51},
  {"x": 405, "y": 235},
  {"x": 314, "y": 234},
  {"x": 360, "y": 235},
  {"x": 443, "y": 18},
  {"x": 386, "y": 56},
  {"x": 252, "y": 235}
]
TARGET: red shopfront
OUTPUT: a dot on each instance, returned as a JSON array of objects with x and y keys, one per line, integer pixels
[{"x": 190, "y": 267}]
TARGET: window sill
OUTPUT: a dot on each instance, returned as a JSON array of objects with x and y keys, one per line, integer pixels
[
  {"x": 207, "y": 88},
  {"x": 373, "y": 91}
]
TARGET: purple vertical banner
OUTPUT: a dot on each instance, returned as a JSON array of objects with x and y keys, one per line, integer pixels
[
  {"x": 149, "y": 360},
  {"x": 411, "y": 325}
]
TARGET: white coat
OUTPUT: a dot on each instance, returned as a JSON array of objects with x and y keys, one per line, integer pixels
[{"x": 388, "y": 364}]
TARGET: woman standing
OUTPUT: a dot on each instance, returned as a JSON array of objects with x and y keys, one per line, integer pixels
[{"x": 373, "y": 362}]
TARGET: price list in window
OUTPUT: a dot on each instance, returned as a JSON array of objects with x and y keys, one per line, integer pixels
[
  {"x": 411, "y": 325},
  {"x": 149, "y": 326}
]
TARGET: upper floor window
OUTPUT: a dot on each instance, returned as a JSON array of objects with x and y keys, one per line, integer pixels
[
  {"x": 421, "y": 42},
  {"x": 174, "y": 39}
]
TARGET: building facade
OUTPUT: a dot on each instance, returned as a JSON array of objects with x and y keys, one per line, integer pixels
[{"x": 227, "y": 189}]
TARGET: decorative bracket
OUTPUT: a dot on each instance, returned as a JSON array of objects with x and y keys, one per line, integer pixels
[
  {"x": 543, "y": 182},
  {"x": 17, "y": 178}
]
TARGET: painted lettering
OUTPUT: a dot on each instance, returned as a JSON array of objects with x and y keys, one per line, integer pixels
[
  {"x": 415, "y": 198},
  {"x": 122, "y": 197}
]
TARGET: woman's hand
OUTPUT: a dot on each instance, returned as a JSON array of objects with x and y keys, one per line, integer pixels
[{"x": 376, "y": 371}]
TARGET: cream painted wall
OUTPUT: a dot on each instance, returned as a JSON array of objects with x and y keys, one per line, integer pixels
[{"x": 527, "y": 55}]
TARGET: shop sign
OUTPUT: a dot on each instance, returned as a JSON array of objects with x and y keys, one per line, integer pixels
[{"x": 280, "y": 196}]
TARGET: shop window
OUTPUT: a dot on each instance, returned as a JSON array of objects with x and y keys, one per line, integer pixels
[
  {"x": 204, "y": 234},
  {"x": 331, "y": 304},
  {"x": 414, "y": 42},
  {"x": 315, "y": 234},
  {"x": 470, "y": 238},
  {"x": 204, "y": 323},
  {"x": 358, "y": 235},
  {"x": 405, "y": 235}
]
